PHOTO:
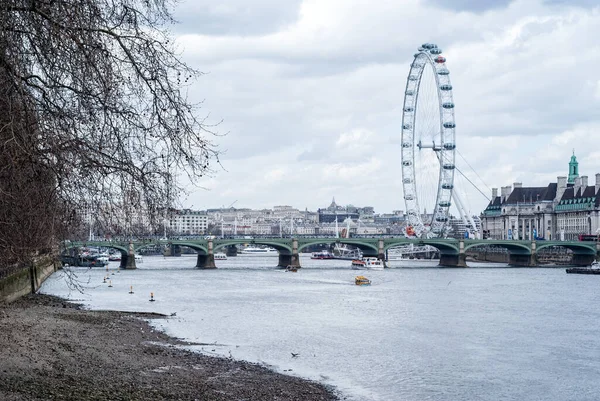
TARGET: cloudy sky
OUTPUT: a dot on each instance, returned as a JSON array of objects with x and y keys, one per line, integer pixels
[{"x": 310, "y": 94}]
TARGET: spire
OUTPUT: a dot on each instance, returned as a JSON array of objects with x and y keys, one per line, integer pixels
[{"x": 573, "y": 169}]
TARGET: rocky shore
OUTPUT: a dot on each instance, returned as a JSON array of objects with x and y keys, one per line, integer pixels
[{"x": 54, "y": 350}]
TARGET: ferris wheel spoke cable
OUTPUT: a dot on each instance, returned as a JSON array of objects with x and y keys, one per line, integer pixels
[{"x": 480, "y": 179}]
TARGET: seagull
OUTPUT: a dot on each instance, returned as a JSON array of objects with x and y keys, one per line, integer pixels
[{"x": 294, "y": 355}]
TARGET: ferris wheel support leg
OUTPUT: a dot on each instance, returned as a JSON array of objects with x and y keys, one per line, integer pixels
[{"x": 464, "y": 215}]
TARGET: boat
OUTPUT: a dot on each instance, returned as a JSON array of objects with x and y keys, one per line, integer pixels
[
  {"x": 321, "y": 255},
  {"x": 291, "y": 269},
  {"x": 252, "y": 250},
  {"x": 138, "y": 258},
  {"x": 115, "y": 257},
  {"x": 83, "y": 261},
  {"x": 362, "y": 280},
  {"x": 594, "y": 268},
  {"x": 220, "y": 256},
  {"x": 368, "y": 263}
]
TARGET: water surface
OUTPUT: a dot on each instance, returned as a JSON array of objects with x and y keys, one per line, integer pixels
[{"x": 418, "y": 333}]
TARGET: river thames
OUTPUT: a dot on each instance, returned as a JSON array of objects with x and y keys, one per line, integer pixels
[{"x": 417, "y": 333}]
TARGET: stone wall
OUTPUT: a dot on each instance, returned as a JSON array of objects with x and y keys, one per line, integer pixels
[{"x": 27, "y": 280}]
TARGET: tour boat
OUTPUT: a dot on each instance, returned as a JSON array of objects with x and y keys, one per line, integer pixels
[
  {"x": 362, "y": 280},
  {"x": 321, "y": 255},
  {"x": 220, "y": 256},
  {"x": 251, "y": 250},
  {"x": 368, "y": 263}
]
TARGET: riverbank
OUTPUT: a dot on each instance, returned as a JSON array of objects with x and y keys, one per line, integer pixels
[{"x": 53, "y": 349}]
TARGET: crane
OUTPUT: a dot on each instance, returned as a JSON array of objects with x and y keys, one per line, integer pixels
[{"x": 222, "y": 207}]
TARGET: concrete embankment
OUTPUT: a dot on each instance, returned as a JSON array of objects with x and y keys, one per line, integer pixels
[{"x": 28, "y": 279}]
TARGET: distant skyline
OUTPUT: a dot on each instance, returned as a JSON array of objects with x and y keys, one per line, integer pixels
[{"x": 310, "y": 94}]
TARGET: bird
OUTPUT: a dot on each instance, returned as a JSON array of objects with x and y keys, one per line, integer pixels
[
  {"x": 294, "y": 355},
  {"x": 174, "y": 314}
]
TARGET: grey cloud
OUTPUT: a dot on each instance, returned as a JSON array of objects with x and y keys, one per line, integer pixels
[
  {"x": 475, "y": 6},
  {"x": 579, "y": 3},
  {"x": 235, "y": 17}
]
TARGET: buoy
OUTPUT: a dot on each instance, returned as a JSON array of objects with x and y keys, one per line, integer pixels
[
  {"x": 131, "y": 289},
  {"x": 104, "y": 280},
  {"x": 110, "y": 283},
  {"x": 152, "y": 297},
  {"x": 119, "y": 269}
]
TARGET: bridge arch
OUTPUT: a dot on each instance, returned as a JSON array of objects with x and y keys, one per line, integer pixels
[
  {"x": 580, "y": 248},
  {"x": 513, "y": 247},
  {"x": 364, "y": 246},
  {"x": 281, "y": 248},
  {"x": 123, "y": 248},
  {"x": 196, "y": 247}
]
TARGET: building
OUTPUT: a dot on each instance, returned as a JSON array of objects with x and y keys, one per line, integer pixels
[
  {"x": 188, "y": 222},
  {"x": 335, "y": 212},
  {"x": 559, "y": 211}
]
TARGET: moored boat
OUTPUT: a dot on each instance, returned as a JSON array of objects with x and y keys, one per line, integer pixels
[
  {"x": 220, "y": 256},
  {"x": 252, "y": 250},
  {"x": 358, "y": 264},
  {"x": 368, "y": 263},
  {"x": 594, "y": 268},
  {"x": 321, "y": 255}
]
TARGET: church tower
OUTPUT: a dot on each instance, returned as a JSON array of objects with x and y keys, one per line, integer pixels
[{"x": 573, "y": 169}]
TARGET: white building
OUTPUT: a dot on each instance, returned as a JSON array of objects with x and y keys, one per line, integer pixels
[{"x": 188, "y": 222}]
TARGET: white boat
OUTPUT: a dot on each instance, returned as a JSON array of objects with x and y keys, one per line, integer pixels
[
  {"x": 138, "y": 258},
  {"x": 220, "y": 256},
  {"x": 253, "y": 250},
  {"x": 368, "y": 263}
]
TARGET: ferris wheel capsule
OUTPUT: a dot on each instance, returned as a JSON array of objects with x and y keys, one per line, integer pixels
[{"x": 440, "y": 59}]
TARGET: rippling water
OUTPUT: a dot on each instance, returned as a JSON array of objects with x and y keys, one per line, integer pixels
[{"x": 418, "y": 333}]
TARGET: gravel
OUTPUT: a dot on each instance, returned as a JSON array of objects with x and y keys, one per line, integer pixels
[{"x": 51, "y": 349}]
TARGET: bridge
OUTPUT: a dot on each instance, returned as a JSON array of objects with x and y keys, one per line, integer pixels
[{"x": 452, "y": 251}]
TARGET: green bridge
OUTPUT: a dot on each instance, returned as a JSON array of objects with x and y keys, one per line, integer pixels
[{"x": 452, "y": 251}]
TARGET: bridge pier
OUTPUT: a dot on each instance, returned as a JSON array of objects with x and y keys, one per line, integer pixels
[
  {"x": 207, "y": 261},
  {"x": 450, "y": 260},
  {"x": 381, "y": 253},
  {"x": 128, "y": 259},
  {"x": 292, "y": 260}
]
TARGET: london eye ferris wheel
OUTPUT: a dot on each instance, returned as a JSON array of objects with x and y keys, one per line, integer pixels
[{"x": 428, "y": 144}]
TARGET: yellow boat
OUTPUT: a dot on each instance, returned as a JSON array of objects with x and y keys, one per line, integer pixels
[{"x": 362, "y": 280}]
